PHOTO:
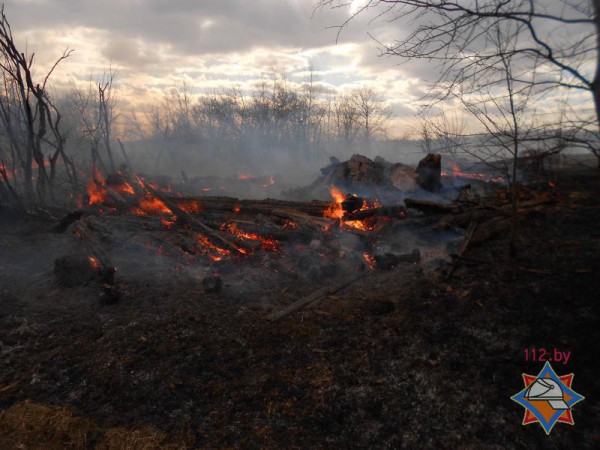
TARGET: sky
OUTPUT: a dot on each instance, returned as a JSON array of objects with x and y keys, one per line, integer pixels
[{"x": 155, "y": 45}]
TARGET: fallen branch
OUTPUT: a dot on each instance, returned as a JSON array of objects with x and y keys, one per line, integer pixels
[
  {"x": 463, "y": 247},
  {"x": 393, "y": 212},
  {"x": 194, "y": 224},
  {"x": 314, "y": 298}
]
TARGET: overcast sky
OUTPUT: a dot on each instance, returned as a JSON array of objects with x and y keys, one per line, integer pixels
[{"x": 157, "y": 44}]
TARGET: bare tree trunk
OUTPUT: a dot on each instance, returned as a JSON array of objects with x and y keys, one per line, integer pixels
[{"x": 595, "y": 85}]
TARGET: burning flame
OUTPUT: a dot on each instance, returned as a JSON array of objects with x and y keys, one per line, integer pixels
[
  {"x": 335, "y": 210},
  {"x": 267, "y": 243},
  {"x": 191, "y": 206},
  {"x": 458, "y": 173},
  {"x": 95, "y": 263},
  {"x": 244, "y": 176},
  {"x": 215, "y": 253},
  {"x": 370, "y": 260}
]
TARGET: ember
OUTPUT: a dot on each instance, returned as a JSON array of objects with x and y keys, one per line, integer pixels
[
  {"x": 267, "y": 243},
  {"x": 95, "y": 263}
]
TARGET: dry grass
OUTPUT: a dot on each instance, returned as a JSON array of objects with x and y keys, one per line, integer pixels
[{"x": 34, "y": 426}]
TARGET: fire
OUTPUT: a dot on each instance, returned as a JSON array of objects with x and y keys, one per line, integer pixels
[
  {"x": 335, "y": 210},
  {"x": 244, "y": 176},
  {"x": 289, "y": 224},
  {"x": 95, "y": 187},
  {"x": 191, "y": 206},
  {"x": 237, "y": 209},
  {"x": 458, "y": 173},
  {"x": 215, "y": 253},
  {"x": 370, "y": 260},
  {"x": 267, "y": 243},
  {"x": 95, "y": 263}
]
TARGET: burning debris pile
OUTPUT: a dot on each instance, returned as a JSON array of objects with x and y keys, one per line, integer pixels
[{"x": 363, "y": 227}]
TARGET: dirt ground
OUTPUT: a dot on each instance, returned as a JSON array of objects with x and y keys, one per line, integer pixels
[{"x": 400, "y": 359}]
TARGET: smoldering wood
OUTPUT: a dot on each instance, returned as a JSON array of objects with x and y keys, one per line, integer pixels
[
  {"x": 393, "y": 212},
  {"x": 312, "y": 222},
  {"x": 213, "y": 236},
  {"x": 429, "y": 173},
  {"x": 272, "y": 231},
  {"x": 231, "y": 204}
]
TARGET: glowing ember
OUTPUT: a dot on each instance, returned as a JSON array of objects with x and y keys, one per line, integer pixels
[
  {"x": 244, "y": 176},
  {"x": 237, "y": 209},
  {"x": 458, "y": 173},
  {"x": 190, "y": 206},
  {"x": 95, "y": 263},
  {"x": 215, "y": 253},
  {"x": 370, "y": 260},
  {"x": 289, "y": 224},
  {"x": 267, "y": 243}
]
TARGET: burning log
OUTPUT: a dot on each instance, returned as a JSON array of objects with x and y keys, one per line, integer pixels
[
  {"x": 392, "y": 212},
  {"x": 304, "y": 219},
  {"x": 211, "y": 235},
  {"x": 249, "y": 207},
  {"x": 270, "y": 231}
]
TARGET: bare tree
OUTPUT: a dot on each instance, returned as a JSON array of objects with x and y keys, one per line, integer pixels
[
  {"x": 554, "y": 44},
  {"x": 29, "y": 118},
  {"x": 372, "y": 111}
]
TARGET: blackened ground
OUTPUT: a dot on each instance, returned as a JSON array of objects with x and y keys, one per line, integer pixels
[{"x": 399, "y": 359}]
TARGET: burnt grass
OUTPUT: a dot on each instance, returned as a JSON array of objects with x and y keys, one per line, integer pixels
[{"x": 401, "y": 359}]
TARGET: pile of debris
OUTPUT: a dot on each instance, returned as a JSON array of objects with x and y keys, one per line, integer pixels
[
  {"x": 376, "y": 178},
  {"x": 294, "y": 240}
]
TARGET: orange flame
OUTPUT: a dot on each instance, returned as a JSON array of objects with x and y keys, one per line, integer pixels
[
  {"x": 191, "y": 206},
  {"x": 458, "y": 173},
  {"x": 267, "y": 243},
  {"x": 214, "y": 252},
  {"x": 95, "y": 263},
  {"x": 336, "y": 211},
  {"x": 370, "y": 260}
]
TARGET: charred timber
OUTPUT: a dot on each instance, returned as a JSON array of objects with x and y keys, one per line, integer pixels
[
  {"x": 230, "y": 204},
  {"x": 393, "y": 212}
]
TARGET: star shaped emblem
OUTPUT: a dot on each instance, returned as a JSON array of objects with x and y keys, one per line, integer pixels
[{"x": 547, "y": 398}]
